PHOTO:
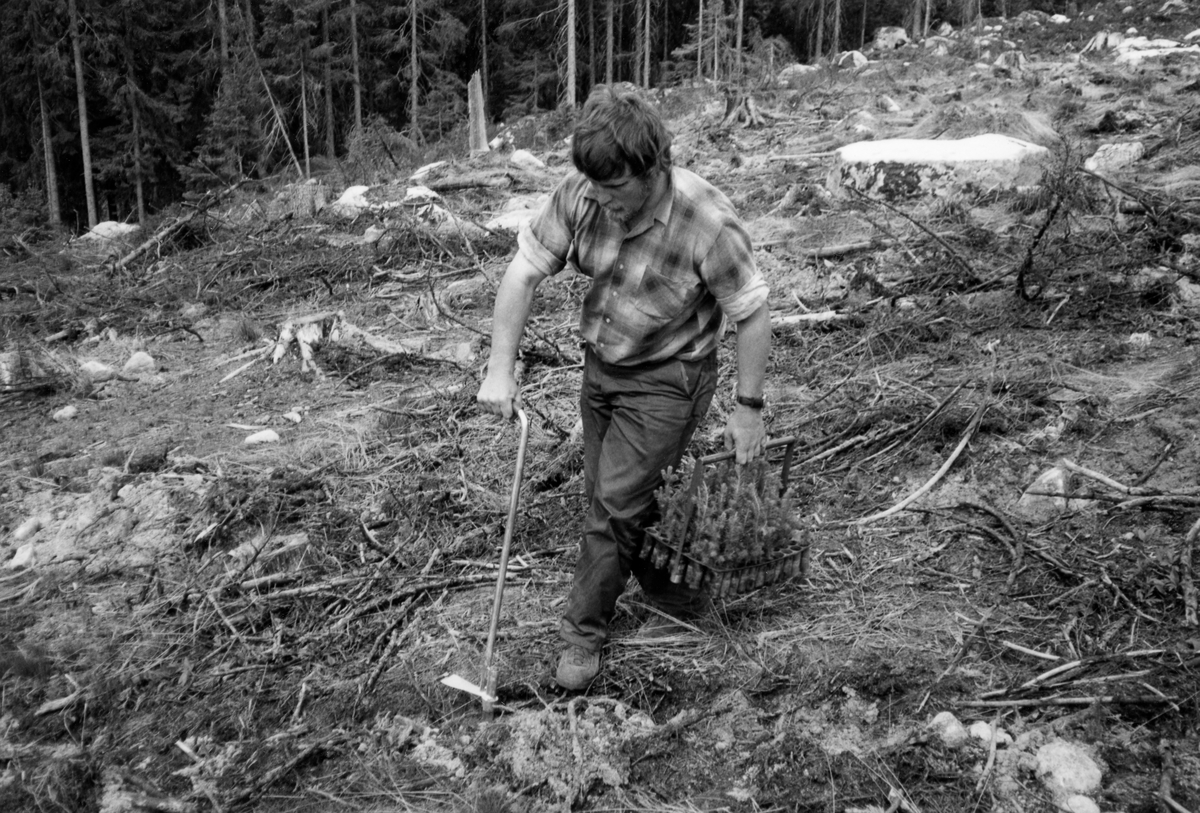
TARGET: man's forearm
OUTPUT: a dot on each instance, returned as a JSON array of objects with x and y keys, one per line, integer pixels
[
  {"x": 514, "y": 302},
  {"x": 753, "y": 349}
]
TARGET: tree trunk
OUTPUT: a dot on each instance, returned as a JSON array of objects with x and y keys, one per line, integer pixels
[
  {"x": 646, "y": 45},
  {"x": 223, "y": 34},
  {"x": 358, "y": 121},
  {"x": 135, "y": 122},
  {"x": 717, "y": 12},
  {"x": 608, "y": 36},
  {"x": 835, "y": 36},
  {"x": 413, "y": 68},
  {"x": 591, "y": 44},
  {"x": 327, "y": 69},
  {"x": 84, "y": 141},
  {"x": 570, "y": 88},
  {"x": 862, "y": 27},
  {"x": 483, "y": 55},
  {"x": 700, "y": 43},
  {"x": 304, "y": 114},
  {"x": 639, "y": 15},
  {"x": 52, "y": 203},
  {"x": 741, "y": 15},
  {"x": 820, "y": 46}
]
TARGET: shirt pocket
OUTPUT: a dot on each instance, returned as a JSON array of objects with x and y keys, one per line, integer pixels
[{"x": 664, "y": 297}]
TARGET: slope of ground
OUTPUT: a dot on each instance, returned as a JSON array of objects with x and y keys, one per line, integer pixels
[{"x": 207, "y": 624}]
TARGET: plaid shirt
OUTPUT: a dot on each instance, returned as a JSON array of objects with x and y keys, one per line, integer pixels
[{"x": 663, "y": 289}]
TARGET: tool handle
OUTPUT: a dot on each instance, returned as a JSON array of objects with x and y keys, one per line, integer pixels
[{"x": 513, "y": 504}]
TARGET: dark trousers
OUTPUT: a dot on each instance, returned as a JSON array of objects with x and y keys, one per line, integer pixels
[{"x": 637, "y": 422}]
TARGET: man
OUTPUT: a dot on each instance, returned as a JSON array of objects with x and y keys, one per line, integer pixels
[{"x": 669, "y": 262}]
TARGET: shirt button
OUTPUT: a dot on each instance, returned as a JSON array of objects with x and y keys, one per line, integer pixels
[{"x": 606, "y": 319}]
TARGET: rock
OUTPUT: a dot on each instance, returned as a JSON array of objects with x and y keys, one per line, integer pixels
[
  {"x": 1139, "y": 341},
  {"x": 851, "y": 59},
  {"x": 139, "y": 364},
  {"x": 887, "y": 104},
  {"x": 66, "y": 413},
  {"x": 1188, "y": 292},
  {"x": 29, "y": 527},
  {"x": 111, "y": 230},
  {"x": 890, "y": 37},
  {"x": 1047, "y": 496},
  {"x": 1109, "y": 158},
  {"x": 517, "y": 212},
  {"x": 1066, "y": 769},
  {"x": 265, "y": 436},
  {"x": 1078, "y": 803},
  {"x": 982, "y": 730},
  {"x": 22, "y": 558},
  {"x": 899, "y": 168},
  {"x": 98, "y": 372},
  {"x": 794, "y": 74},
  {"x": 948, "y": 729},
  {"x": 526, "y": 160},
  {"x": 293, "y": 416},
  {"x": 420, "y": 194},
  {"x": 352, "y": 201}
]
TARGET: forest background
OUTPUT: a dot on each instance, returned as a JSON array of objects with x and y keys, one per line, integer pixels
[{"x": 117, "y": 109}]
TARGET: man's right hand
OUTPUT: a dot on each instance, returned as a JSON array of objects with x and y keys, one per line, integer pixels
[{"x": 499, "y": 394}]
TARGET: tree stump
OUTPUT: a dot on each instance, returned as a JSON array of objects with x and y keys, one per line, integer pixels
[{"x": 741, "y": 110}]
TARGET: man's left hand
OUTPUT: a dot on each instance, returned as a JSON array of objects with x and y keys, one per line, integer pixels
[{"x": 745, "y": 434}]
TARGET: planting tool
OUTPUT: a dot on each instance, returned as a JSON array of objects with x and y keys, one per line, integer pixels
[{"x": 488, "y": 693}]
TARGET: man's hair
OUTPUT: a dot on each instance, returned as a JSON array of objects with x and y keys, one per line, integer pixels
[{"x": 618, "y": 128}]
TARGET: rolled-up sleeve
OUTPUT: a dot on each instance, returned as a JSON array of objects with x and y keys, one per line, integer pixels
[
  {"x": 732, "y": 275},
  {"x": 537, "y": 255},
  {"x": 545, "y": 240},
  {"x": 745, "y": 301}
]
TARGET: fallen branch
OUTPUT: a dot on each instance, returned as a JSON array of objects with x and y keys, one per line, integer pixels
[
  {"x": 1065, "y": 701},
  {"x": 923, "y": 490},
  {"x": 1187, "y": 582}
]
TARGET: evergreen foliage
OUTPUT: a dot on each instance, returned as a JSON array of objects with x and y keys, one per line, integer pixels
[{"x": 167, "y": 110}]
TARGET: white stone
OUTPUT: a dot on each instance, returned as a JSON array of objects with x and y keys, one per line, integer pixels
[
  {"x": 948, "y": 729},
  {"x": 899, "y": 168},
  {"x": 1066, "y": 769},
  {"x": 265, "y": 436},
  {"x": 890, "y": 37},
  {"x": 1078, "y": 803},
  {"x": 1112, "y": 157},
  {"x": 98, "y": 371},
  {"x": 420, "y": 194},
  {"x": 1059, "y": 19},
  {"x": 111, "y": 230},
  {"x": 982, "y": 730},
  {"x": 794, "y": 73},
  {"x": 1188, "y": 292},
  {"x": 293, "y": 416},
  {"x": 66, "y": 413},
  {"x": 352, "y": 201},
  {"x": 888, "y": 104},
  {"x": 22, "y": 558},
  {"x": 852, "y": 59},
  {"x": 140, "y": 363},
  {"x": 1139, "y": 341},
  {"x": 1047, "y": 496},
  {"x": 28, "y": 528},
  {"x": 526, "y": 160}
]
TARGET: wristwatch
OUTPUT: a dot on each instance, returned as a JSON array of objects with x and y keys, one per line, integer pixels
[{"x": 747, "y": 401}]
